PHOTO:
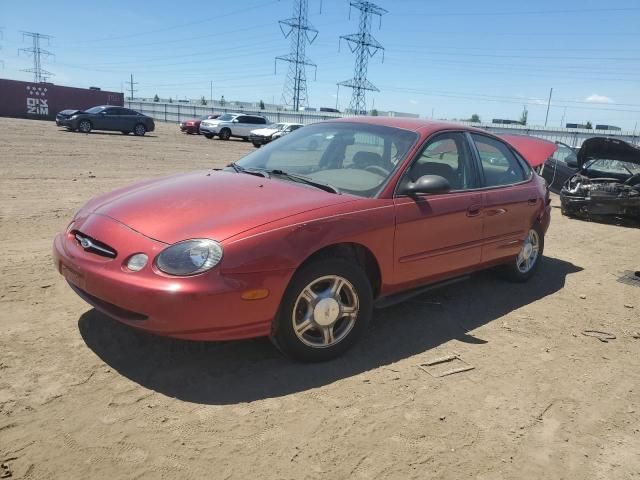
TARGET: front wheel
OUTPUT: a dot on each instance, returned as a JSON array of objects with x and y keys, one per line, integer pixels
[
  {"x": 325, "y": 308},
  {"x": 526, "y": 263},
  {"x": 84, "y": 126},
  {"x": 225, "y": 134},
  {"x": 208, "y": 135},
  {"x": 256, "y": 144},
  {"x": 139, "y": 130}
]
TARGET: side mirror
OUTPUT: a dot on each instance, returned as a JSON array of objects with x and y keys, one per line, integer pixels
[
  {"x": 235, "y": 120},
  {"x": 572, "y": 162},
  {"x": 427, "y": 184}
]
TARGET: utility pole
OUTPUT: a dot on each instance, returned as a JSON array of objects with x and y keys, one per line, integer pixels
[
  {"x": 301, "y": 32},
  {"x": 364, "y": 45},
  {"x": 39, "y": 74},
  {"x": 548, "y": 106},
  {"x": 211, "y": 93},
  {"x": 131, "y": 89},
  {"x": 1, "y": 38}
]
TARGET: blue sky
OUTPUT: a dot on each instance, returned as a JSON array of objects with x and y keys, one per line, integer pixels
[{"x": 449, "y": 58}]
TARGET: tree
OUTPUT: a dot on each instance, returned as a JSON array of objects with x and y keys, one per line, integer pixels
[
  {"x": 170, "y": 100},
  {"x": 475, "y": 118},
  {"x": 261, "y": 105},
  {"x": 203, "y": 101},
  {"x": 156, "y": 98},
  {"x": 524, "y": 117},
  {"x": 374, "y": 113},
  {"x": 588, "y": 126}
]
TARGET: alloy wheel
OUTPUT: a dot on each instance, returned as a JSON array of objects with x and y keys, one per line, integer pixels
[
  {"x": 528, "y": 255},
  {"x": 325, "y": 311}
]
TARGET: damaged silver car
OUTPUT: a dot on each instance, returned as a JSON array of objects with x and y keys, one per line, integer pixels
[{"x": 607, "y": 183}]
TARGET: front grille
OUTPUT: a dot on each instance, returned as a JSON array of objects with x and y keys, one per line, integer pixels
[{"x": 94, "y": 246}]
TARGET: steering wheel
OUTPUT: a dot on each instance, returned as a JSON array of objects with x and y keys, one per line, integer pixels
[{"x": 376, "y": 169}]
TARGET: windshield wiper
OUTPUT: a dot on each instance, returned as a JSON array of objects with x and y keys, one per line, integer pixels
[
  {"x": 251, "y": 171},
  {"x": 302, "y": 179}
]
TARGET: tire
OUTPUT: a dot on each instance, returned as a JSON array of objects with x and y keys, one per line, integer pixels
[
  {"x": 139, "y": 130},
  {"x": 329, "y": 329},
  {"x": 124, "y": 132},
  {"x": 517, "y": 270},
  {"x": 84, "y": 126},
  {"x": 209, "y": 135},
  {"x": 245, "y": 139},
  {"x": 256, "y": 144},
  {"x": 225, "y": 134}
]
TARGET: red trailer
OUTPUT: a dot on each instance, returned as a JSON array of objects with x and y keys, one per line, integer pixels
[{"x": 42, "y": 101}]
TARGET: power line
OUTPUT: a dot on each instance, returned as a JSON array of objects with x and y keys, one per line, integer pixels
[
  {"x": 300, "y": 31},
  {"x": 364, "y": 45},
  {"x": 39, "y": 74}
]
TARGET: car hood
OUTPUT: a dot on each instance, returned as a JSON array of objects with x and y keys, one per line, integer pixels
[
  {"x": 208, "y": 204},
  {"x": 264, "y": 131},
  {"x": 608, "y": 148},
  {"x": 68, "y": 113}
]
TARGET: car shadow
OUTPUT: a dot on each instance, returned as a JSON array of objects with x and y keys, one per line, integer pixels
[
  {"x": 106, "y": 132},
  {"x": 244, "y": 371}
]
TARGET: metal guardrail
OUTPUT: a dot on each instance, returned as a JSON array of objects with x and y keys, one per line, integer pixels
[{"x": 176, "y": 112}]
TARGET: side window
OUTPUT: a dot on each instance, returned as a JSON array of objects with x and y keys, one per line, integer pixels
[
  {"x": 499, "y": 165},
  {"x": 243, "y": 119},
  {"x": 448, "y": 156},
  {"x": 111, "y": 111},
  {"x": 294, "y": 127},
  {"x": 260, "y": 120}
]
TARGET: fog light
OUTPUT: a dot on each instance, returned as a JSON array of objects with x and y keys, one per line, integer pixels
[{"x": 137, "y": 262}]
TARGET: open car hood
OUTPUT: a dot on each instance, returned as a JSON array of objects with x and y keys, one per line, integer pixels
[
  {"x": 534, "y": 150},
  {"x": 608, "y": 148}
]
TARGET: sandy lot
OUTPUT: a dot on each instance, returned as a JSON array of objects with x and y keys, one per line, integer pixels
[{"x": 82, "y": 396}]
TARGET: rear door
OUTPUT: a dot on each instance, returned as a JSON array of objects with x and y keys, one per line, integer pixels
[
  {"x": 243, "y": 127},
  {"x": 510, "y": 197},
  {"x": 439, "y": 235}
]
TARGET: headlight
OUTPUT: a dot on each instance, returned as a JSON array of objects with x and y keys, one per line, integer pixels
[
  {"x": 189, "y": 257},
  {"x": 73, "y": 116}
]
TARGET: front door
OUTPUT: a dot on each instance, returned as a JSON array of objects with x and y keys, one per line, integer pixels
[{"x": 440, "y": 235}]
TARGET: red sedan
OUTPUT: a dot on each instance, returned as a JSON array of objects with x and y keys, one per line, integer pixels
[
  {"x": 193, "y": 126},
  {"x": 301, "y": 239}
]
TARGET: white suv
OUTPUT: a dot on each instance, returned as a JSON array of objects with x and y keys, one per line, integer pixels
[{"x": 232, "y": 125}]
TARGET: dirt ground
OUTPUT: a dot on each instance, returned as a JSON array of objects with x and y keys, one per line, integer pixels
[{"x": 82, "y": 396}]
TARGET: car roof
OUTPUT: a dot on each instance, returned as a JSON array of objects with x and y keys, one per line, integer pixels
[{"x": 414, "y": 124}]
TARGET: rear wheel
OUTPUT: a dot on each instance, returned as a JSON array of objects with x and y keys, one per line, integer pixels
[
  {"x": 526, "y": 263},
  {"x": 326, "y": 307},
  {"x": 225, "y": 134},
  {"x": 139, "y": 130},
  {"x": 84, "y": 126},
  {"x": 256, "y": 144}
]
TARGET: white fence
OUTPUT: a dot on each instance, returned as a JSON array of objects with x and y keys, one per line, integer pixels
[{"x": 176, "y": 112}]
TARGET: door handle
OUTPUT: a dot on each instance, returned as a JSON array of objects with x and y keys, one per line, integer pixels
[
  {"x": 532, "y": 201},
  {"x": 474, "y": 210}
]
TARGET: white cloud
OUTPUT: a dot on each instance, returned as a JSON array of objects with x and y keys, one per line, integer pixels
[
  {"x": 595, "y": 98},
  {"x": 413, "y": 102}
]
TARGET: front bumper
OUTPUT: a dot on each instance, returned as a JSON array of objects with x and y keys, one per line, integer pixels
[
  {"x": 63, "y": 122},
  {"x": 203, "y": 307},
  {"x": 259, "y": 139},
  {"x": 211, "y": 129},
  {"x": 188, "y": 128},
  {"x": 590, "y": 207}
]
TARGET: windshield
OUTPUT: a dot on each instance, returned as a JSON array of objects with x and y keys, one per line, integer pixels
[
  {"x": 353, "y": 157},
  {"x": 227, "y": 117},
  {"x": 613, "y": 166},
  {"x": 95, "y": 110}
]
